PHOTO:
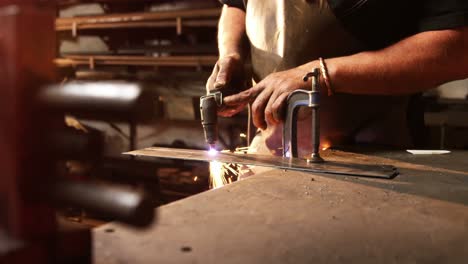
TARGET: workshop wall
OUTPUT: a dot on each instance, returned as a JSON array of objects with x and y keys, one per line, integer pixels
[{"x": 130, "y": 41}]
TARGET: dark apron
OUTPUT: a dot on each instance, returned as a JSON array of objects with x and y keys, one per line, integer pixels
[{"x": 287, "y": 33}]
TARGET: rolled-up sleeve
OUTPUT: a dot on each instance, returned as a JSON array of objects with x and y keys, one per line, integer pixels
[{"x": 234, "y": 3}]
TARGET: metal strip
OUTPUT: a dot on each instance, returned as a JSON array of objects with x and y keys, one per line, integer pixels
[{"x": 295, "y": 164}]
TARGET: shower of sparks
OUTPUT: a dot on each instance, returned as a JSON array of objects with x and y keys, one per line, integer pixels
[
  {"x": 217, "y": 179},
  {"x": 222, "y": 174}
]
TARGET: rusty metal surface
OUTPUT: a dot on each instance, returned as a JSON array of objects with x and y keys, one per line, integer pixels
[
  {"x": 295, "y": 164},
  {"x": 294, "y": 217}
]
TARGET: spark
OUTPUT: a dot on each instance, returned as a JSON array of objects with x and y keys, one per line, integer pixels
[
  {"x": 325, "y": 146},
  {"x": 195, "y": 178},
  {"x": 242, "y": 135}
]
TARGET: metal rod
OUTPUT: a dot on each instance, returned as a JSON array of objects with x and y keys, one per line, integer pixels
[{"x": 124, "y": 205}]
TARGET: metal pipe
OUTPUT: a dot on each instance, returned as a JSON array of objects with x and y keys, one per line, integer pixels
[
  {"x": 108, "y": 101},
  {"x": 123, "y": 205}
]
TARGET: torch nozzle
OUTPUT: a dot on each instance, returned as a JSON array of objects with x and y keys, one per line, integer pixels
[
  {"x": 209, "y": 118},
  {"x": 212, "y": 151}
]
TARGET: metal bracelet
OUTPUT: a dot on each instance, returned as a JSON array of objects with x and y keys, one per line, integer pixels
[{"x": 325, "y": 76}]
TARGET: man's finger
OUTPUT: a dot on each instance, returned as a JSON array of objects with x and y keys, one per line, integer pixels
[
  {"x": 277, "y": 108},
  {"x": 239, "y": 98},
  {"x": 269, "y": 109},
  {"x": 243, "y": 97},
  {"x": 258, "y": 108},
  {"x": 230, "y": 111}
]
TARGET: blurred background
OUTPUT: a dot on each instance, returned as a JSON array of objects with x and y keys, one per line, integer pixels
[{"x": 169, "y": 47}]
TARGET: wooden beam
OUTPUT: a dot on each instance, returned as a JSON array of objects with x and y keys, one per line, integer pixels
[
  {"x": 140, "y": 24},
  {"x": 140, "y": 17},
  {"x": 176, "y": 61}
]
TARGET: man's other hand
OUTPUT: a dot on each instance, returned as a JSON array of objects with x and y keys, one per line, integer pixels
[{"x": 227, "y": 74}]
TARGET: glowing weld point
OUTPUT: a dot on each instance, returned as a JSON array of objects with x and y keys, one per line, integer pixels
[
  {"x": 325, "y": 146},
  {"x": 212, "y": 152}
]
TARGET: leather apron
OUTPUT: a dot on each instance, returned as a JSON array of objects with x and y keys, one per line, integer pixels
[{"x": 287, "y": 33}]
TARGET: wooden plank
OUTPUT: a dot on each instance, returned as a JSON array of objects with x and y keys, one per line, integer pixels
[
  {"x": 140, "y": 17},
  {"x": 75, "y": 2},
  {"x": 127, "y": 25},
  {"x": 143, "y": 58},
  {"x": 74, "y": 60},
  {"x": 291, "y": 217}
]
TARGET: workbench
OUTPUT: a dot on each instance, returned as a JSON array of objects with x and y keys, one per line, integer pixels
[{"x": 421, "y": 216}]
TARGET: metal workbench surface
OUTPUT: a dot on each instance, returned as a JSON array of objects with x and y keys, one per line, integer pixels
[{"x": 280, "y": 216}]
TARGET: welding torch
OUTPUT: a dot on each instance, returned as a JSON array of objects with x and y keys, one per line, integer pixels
[{"x": 209, "y": 105}]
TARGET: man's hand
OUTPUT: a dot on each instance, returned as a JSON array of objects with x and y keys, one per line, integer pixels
[
  {"x": 268, "y": 96},
  {"x": 228, "y": 77}
]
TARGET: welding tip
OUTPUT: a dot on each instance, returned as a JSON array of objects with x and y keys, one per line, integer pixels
[{"x": 212, "y": 151}]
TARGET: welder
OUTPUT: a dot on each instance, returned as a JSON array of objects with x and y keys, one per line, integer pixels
[{"x": 373, "y": 57}]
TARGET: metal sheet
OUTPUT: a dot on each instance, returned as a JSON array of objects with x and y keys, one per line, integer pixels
[{"x": 329, "y": 167}]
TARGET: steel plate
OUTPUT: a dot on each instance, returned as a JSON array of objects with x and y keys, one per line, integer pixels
[{"x": 296, "y": 164}]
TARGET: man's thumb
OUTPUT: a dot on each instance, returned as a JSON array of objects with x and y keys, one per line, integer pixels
[{"x": 224, "y": 75}]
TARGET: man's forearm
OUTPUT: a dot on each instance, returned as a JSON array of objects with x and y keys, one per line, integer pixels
[
  {"x": 412, "y": 65},
  {"x": 231, "y": 32}
]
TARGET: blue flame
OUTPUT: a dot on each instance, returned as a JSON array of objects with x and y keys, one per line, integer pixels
[{"x": 212, "y": 152}]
